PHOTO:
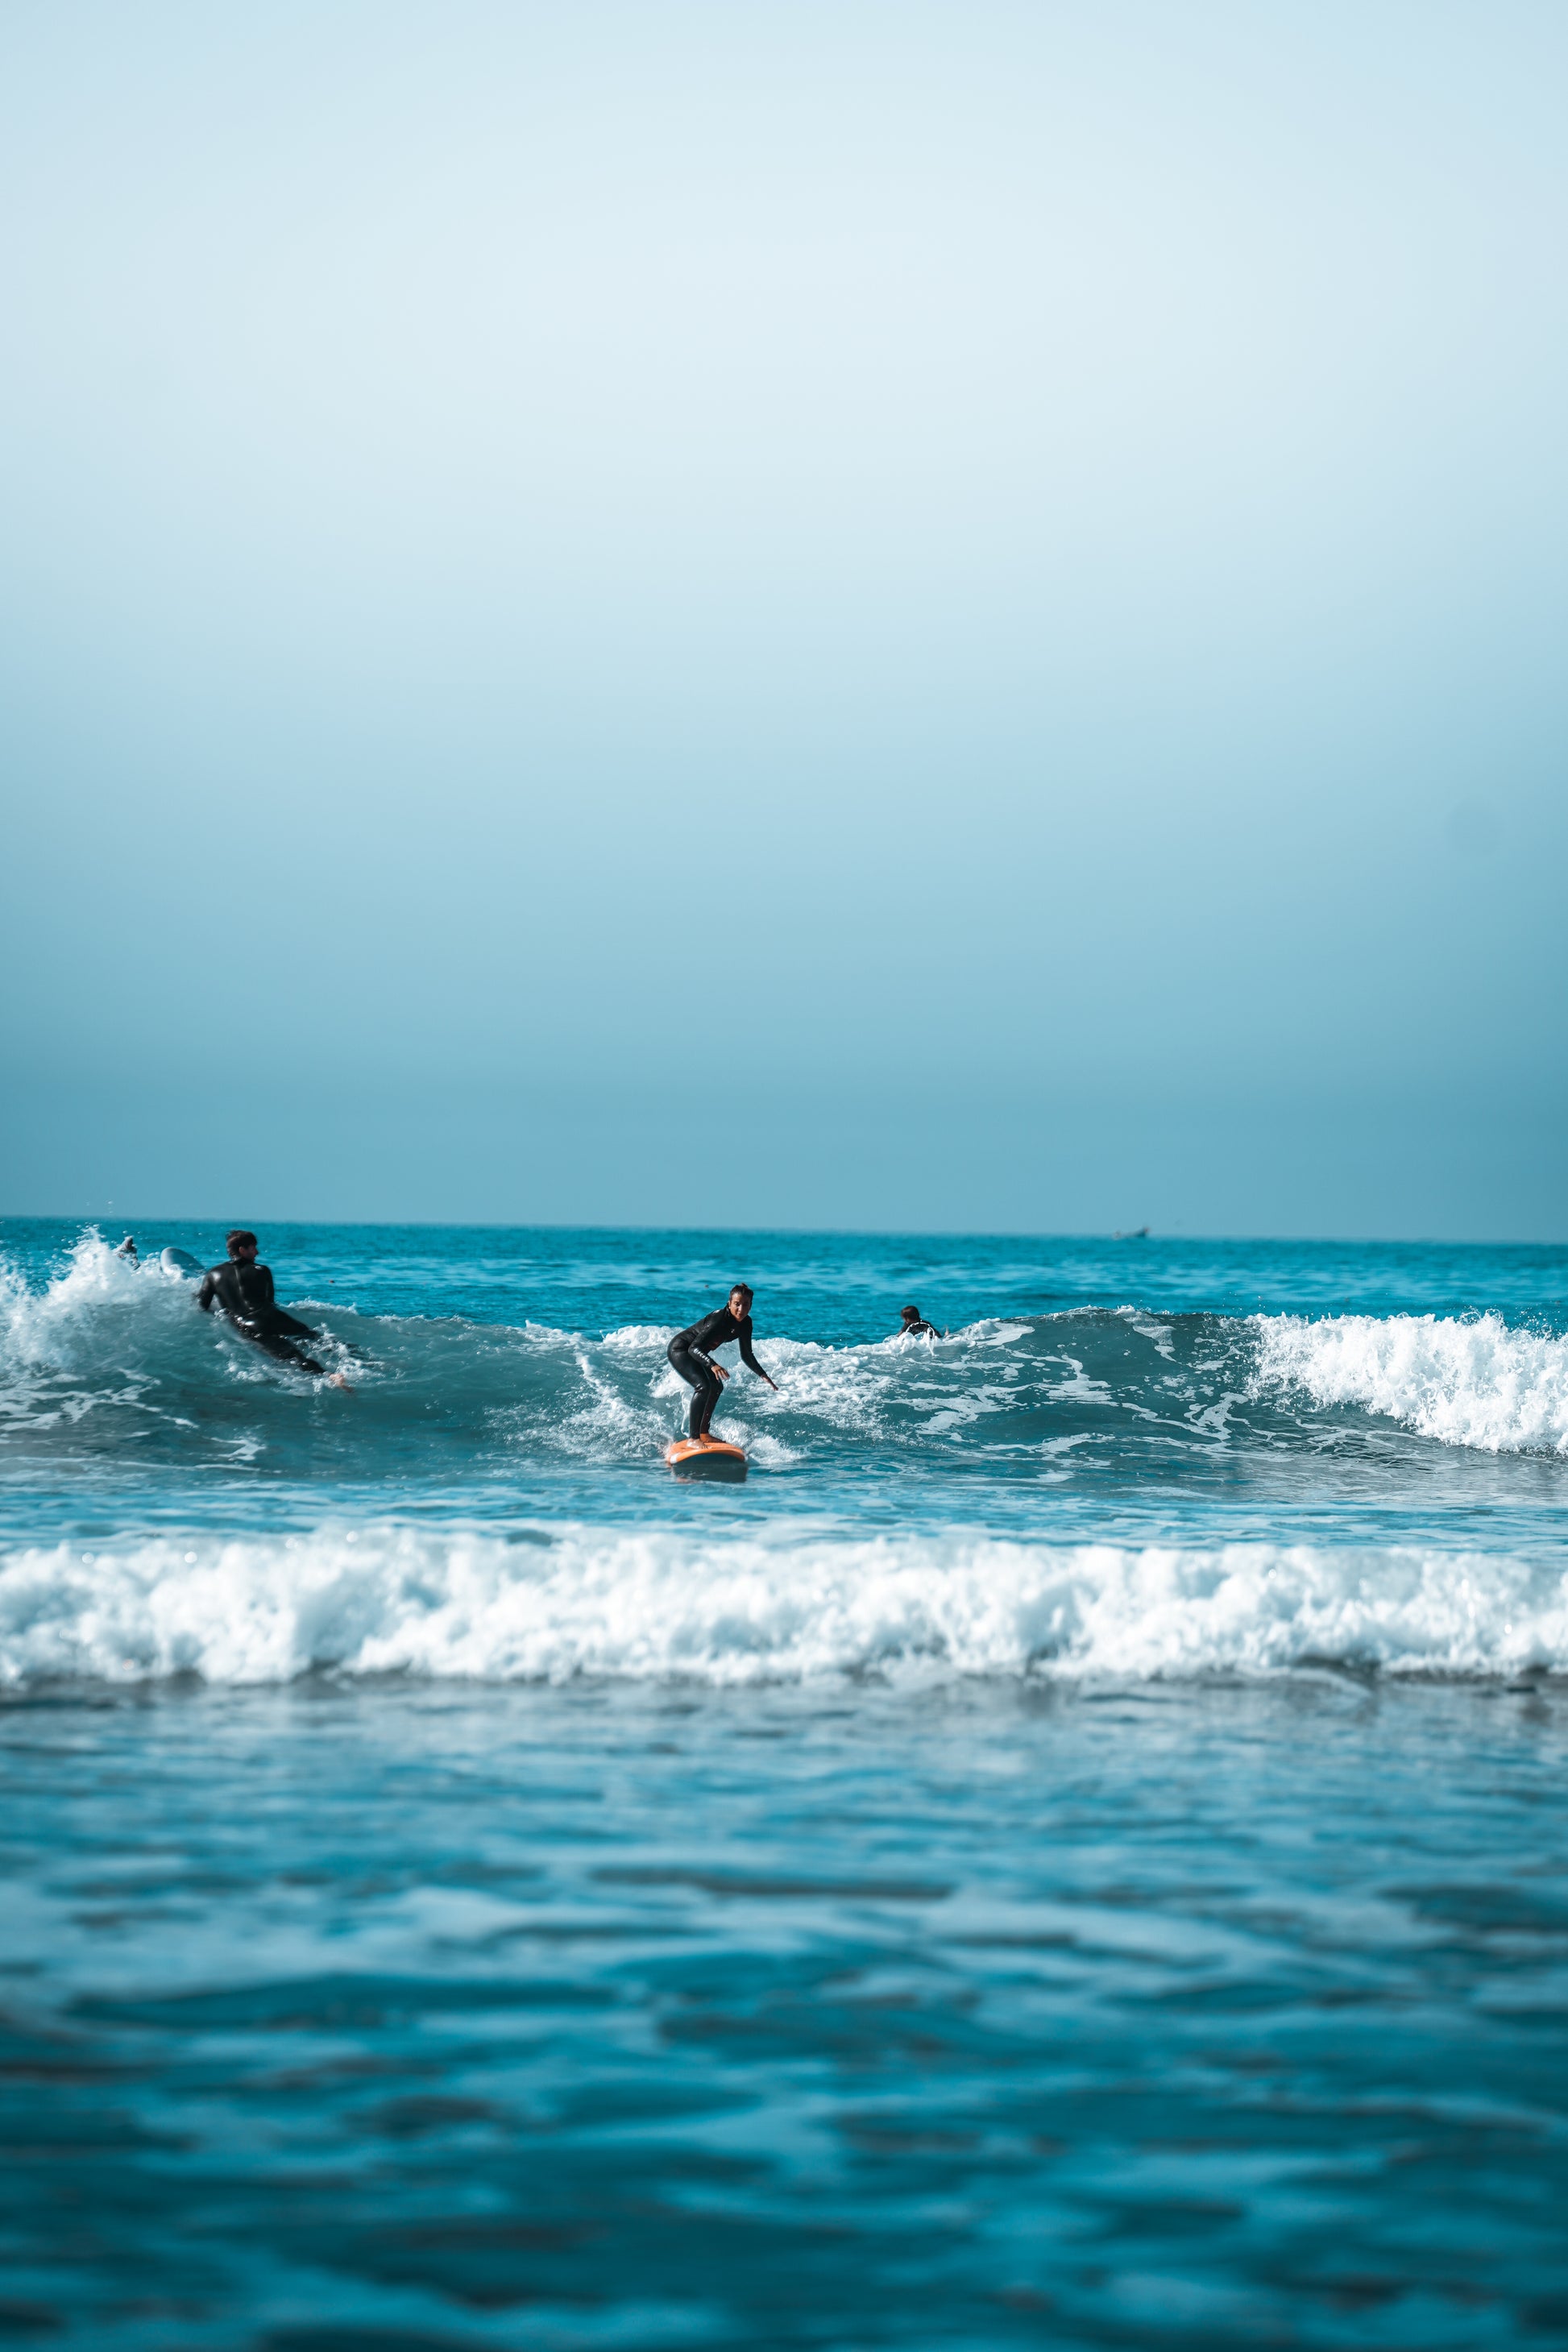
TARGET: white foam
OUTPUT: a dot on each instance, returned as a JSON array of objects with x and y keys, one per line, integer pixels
[
  {"x": 38, "y": 1327},
  {"x": 1466, "y": 1383},
  {"x": 654, "y": 1604},
  {"x": 116, "y": 1328}
]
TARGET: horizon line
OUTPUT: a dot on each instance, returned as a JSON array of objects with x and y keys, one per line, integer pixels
[{"x": 1132, "y": 1236}]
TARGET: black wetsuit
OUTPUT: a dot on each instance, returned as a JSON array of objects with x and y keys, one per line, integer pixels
[
  {"x": 689, "y": 1352},
  {"x": 245, "y": 1294},
  {"x": 919, "y": 1329}
]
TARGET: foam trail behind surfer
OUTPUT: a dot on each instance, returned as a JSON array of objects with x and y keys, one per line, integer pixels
[{"x": 691, "y": 1353}]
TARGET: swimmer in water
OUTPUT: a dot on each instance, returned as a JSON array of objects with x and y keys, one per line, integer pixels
[
  {"x": 915, "y": 1327},
  {"x": 690, "y": 1353},
  {"x": 244, "y": 1291}
]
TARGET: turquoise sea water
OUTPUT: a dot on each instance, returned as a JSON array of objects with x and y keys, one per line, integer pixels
[{"x": 1071, "y": 1852}]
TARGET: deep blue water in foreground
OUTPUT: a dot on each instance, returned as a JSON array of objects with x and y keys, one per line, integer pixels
[{"x": 1072, "y": 1852}]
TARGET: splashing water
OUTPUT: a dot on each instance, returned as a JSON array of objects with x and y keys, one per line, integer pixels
[{"x": 1075, "y": 1487}]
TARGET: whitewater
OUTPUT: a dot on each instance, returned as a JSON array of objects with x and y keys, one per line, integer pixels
[
  {"x": 1072, "y": 1850},
  {"x": 1141, "y": 1484},
  {"x": 568, "y": 1600}
]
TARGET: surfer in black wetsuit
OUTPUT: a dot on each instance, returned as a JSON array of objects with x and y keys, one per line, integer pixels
[
  {"x": 915, "y": 1327},
  {"x": 244, "y": 1291},
  {"x": 692, "y": 1353}
]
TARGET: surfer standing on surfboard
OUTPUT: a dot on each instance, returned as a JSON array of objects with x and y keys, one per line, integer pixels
[{"x": 692, "y": 1353}]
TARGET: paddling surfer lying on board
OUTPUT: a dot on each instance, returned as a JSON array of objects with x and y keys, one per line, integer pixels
[
  {"x": 244, "y": 1291},
  {"x": 690, "y": 1353}
]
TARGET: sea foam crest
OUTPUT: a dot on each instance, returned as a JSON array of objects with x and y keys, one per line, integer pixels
[
  {"x": 36, "y": 1325},
  {"x": 1474, "y": 1383},
  {"x": 657, "y": 1604}
]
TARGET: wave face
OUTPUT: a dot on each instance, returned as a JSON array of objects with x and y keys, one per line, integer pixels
[
  {"x": 657, "y": 1604},
  {"x": 109, "y": 1357},
  {"x": 1080, "y": 1487}
]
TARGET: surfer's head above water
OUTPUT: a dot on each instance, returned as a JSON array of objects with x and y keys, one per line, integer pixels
[
  {"x": 242, "y": 1245},
  {"x": 740, "y": 1300}
]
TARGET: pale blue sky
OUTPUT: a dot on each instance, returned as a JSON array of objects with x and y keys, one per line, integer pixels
[{"x": 819, "y": 615}]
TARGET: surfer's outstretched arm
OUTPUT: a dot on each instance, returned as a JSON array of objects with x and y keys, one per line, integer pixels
[{"x": 738, "y": 1315}]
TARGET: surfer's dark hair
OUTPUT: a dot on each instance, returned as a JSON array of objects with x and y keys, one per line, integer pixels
[
  {"x": 743, "y": 1287},
  {"x": 910, "y": 1314},
  {"x": 241, "y": 1238}
]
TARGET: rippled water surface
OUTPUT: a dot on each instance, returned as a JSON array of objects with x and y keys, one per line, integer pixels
[
  {"x": 1071, "y": 1852},
  {"x": 607, "y": 2014}
]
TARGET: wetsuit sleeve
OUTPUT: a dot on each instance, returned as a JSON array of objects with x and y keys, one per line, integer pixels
[
  {"x": 703, "y": 1337},
  {"x": 746, "y": 1356},
  {"x": 206, "y": 1293}
]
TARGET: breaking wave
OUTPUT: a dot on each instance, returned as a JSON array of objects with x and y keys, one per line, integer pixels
[
  {"x": 565, "y": 1601},
  {"x": 1478, "y": 1383},
  {"x": 150, "y": 1419},
  {"x": 109, "y": 1361}
]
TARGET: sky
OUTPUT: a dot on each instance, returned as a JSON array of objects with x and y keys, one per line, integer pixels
[{"x": 867, "y": 615}]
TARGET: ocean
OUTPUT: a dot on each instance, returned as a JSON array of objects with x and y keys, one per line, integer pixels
[{"x": 1074, "y": 1851}]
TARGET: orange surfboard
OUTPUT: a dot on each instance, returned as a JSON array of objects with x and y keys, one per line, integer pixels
[{"x": 705, "y": 1458}]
